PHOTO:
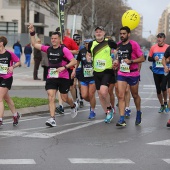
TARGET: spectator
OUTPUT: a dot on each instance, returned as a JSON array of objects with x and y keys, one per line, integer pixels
[
  {"x": 27, "y": 52},
  {"x": 17, "y": 50},
  {"x": 44, "y": 63},
  {"x": 37, "y": 60}
]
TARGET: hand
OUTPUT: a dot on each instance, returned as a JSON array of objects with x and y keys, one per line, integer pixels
[
  {"x": 166, "y": 69},
  {"x": 127, "y": 61},
  {"x": 60, "y": 69},
  {"x": 10, "y": 69},
  {"x": 156, "y": 58},
  {"x": 73, "y": 74},
  {"x": 115, "y": 64},
  {"x": 31, "y": 28}
]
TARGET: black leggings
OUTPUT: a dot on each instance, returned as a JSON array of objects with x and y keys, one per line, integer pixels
[{"x": 161, "y": 82}]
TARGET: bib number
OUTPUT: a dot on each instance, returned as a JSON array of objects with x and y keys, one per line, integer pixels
[
  {"x": 159, "y": 64},
  {"x": 124, "y": 68},
  {"x": 88, "y": 72},
  {"x": 53, "y": 73},
  {"x": 100, "y": 64},
  {"x": 3, "y": 68}
]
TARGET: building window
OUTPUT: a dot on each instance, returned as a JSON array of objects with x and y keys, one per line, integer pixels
[{"x": 8, "y": 27}]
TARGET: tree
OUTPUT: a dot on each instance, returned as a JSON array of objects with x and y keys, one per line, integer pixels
[{"x": 93, "y": 12}]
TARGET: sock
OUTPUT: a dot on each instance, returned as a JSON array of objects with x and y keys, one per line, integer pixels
[
  {"x": 109, "y": 108},
  {"x": 122, "y": 118},
  {"x": 0, "y": 119},
  {"x": 165, "y": 103},
  {"x": 127, "y": 108},
  {"x": 138, "y": 112},
  {"x": 53, "y": 117},
  {"x": 15, "y": 114}
]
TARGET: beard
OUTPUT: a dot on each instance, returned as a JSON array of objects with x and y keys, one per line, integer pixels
[{"x": 124, "y": 39}]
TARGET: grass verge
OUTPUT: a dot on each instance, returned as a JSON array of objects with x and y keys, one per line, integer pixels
[{"x": 27, "y": 102}]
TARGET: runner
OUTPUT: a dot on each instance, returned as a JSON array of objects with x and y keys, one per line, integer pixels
[
  {"x": 86, "y": 78},
  {"x": 7, "y": 58},
  {"x": 77, "y": 39},
  {"x": 60, "y": 59},
  {"x": 74, "y": 49},
  {"x": 129, "y": 55},
  {"x": 155, "y": 56},
  {"x": 99, "y": 50}
]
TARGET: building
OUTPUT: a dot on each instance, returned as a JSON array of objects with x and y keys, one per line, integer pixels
[
  {"x": 12, "y": 18},
  {"x": 164, "y": 22}
]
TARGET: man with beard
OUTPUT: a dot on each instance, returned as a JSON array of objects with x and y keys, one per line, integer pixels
[
  {"x": 129, "y": 55},
  {"x": 99, "y": 50}
]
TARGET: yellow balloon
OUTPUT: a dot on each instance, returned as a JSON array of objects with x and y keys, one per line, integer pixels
[{"x": 131, "y": 18}]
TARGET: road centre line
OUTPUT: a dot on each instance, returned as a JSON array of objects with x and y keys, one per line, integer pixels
[
  {"x": 99, "y": 161},
  {"x": 17, "y": 161}
]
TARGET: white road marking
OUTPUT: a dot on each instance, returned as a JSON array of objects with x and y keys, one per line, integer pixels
[
  {"x": 163, "y": 143},
  {"x": 99, "y": 161},
  {"x": 166, "y": 160},
  {"x": 46, "y": 135},
  {"x": 17, "y": 161}
]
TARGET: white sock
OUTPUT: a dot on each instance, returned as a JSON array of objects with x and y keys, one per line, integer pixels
[{"x": 15, "y": 114}]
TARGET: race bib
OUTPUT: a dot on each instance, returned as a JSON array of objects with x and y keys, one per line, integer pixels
[
  {"x": 53, "y": 73},
  {"x": 100, "y": 64},
  {"x": 159, "y": 64},
  {"x": 88, "y": 72},
  {"x": 3, "y": 68},
  {"x": 124, "y": 68}
]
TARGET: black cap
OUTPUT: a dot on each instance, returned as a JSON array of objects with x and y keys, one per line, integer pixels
[
  {"x": 161, "y": 35},
  {"x": 76, "y": 37},
  {"x": 100, "y": 28}
]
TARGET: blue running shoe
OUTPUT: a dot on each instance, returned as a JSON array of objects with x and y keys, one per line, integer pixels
[
  {"x": 138, "y": 118},
  {"x": 127, "y": 113},
  {"x": 92, "y": 115},
  {"x": 121, "y": 123},
  {"x": 109, "y": 116},
  {"x": 166, "y": 108}
]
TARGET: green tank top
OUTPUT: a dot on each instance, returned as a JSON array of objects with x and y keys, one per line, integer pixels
[{"x": 101, "y": 58}]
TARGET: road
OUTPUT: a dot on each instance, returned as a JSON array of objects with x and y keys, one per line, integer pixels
[{"x": 80, "y": 144}]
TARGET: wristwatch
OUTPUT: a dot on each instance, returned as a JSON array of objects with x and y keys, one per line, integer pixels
[
  {"x": 131, "y": 61},
  {"x": 65, "y": 67}
]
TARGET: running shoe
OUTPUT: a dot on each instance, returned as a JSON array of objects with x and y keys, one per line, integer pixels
[
  {"x": 138, "y": 118},
  {"x": 16, "y": 119},
  {"x": 81, "y": 104},
  {"x": 161, "y": 110},
  {"x": 168, "y": 123},
  {"x": 166, "y": 108},
  {"x": 60, "y": 109},
  {"x": 109, "y": 116},
  {"x": 121, "y": 123},
  {"x": 50, "y": 122},
  {"x": 127, "y": 113},
  {"x": 74, "y": 110},
  {"x": 92, "y": 115}
]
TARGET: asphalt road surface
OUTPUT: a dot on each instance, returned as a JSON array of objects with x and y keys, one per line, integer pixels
[{"x": 82, "y": 144}]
